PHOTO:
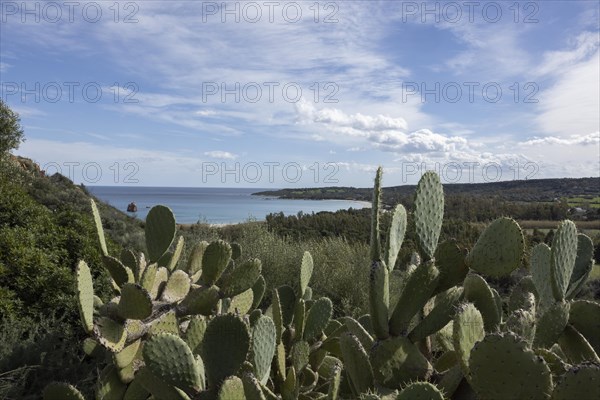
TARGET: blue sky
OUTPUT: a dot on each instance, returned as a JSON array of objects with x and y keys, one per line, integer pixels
[{"x": 480, "y": 91}]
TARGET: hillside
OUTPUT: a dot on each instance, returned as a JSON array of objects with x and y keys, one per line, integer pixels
[{"x": 540, "y": 190}]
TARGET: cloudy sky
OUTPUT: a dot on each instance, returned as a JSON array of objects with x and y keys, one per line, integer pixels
[{"x": 306, "y": 93}]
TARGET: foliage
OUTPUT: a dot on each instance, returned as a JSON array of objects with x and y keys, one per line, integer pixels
[{"x": 11, "y": 132}]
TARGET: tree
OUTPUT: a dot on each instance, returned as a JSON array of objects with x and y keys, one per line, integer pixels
[{"x": 11, "y": 132}]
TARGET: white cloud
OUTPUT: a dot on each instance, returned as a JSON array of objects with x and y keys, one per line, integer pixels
[
  {"x": 592, "y": 138},
  {"x": 225, "y": 155}
]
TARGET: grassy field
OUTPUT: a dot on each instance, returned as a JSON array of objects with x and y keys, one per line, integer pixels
[{"x": 586, "y": 201}]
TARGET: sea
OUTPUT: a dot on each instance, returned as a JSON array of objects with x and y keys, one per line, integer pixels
[{"x": 213, "y": 205}]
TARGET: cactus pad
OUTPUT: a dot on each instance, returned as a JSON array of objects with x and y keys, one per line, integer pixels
[
  {"x": 126, "y": 356},
  {"x": 498, "y": 250},
  {"x": 584, "y": 262},
  {"x": 263, "y": 347},
  {"x": 429, "y": 212},
  {"x": 522, "y": 323},
  {"x": 258, "y": 291},
  {"x": 502, "y": 367},
  {"x": 242, "y": 303},
  {"x": 166, "y": 323},
  {"x": 120, "y": 273},
  {"x": 442, "y": 313},
  {"x": 379, "y": 298},
  {"x": 575, "y": 346},
  {"x": 396, "y": 236},
  {"x": 585, "y": 317},
  {"x": 232, "y": 388},
  {"x": 177, "y": 287},
  {"x": 375, "y": 249},
  {"x": 450, "y": 260},
  {"x": 356, "y": 363},
  {"x": 195, "y": 333},
  {"x": 160, "y": 231},
  {"x": 480, "y": 294},
  {"x": 200, "y": 300},
  {"x": 170, "y": 358},
  {"x": 551, "y": 324},
  {"x": 318, "y": 317},
  {"x": 420, "y": 391},
  {"x": 580, "y": 382},
  {"x": 135, "y": 302},
  {"x": 214, "y": 261},
  {"x": 417, "y": 291},
  {"x": 306, "y": 270},
  {"x": 160, "y": 281},
  {"x": 194, "y": 262},
  {"x": 85, "y": 295},
  {"x": 563, "y": 256},
  {"x": 157, "y": 387},
  {"x": 110, "y": 334},
  {"x": 299, "y": 353},
  {"x": 99, "y": 229},
  {"x": 467, "y": 331},
  {"x": 241, "y": 278},
  {"x": 225, "y": 346},
  {"x": 540, "y": 273},
  {"x": 176, "y": 254}
]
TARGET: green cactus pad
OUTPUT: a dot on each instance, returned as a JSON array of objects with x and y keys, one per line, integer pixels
[
  {"x": 170, "y": 358},
  {"x": 225, "y": 346},
  {"x": 157, "y": 387},
  {"x": 420, "y": 391},
  {"x": 396, "y": 236},
  {"x": 287, "y": 299},
  {"x": 177, "y": 287},
  {"x": 93, "y": 349},
  {"x": 580, "y": 382},
  {"x": 480, "y": 294},
  {"x": 575, "y": 346},
  {"x": 443, "y": 337},
  {"x": 241, "y": 278},
  {"x": 280, "y": 360},
  {"x": 450, "y": 260},
  {"x": 258, "y": 291},
  {"x": 299, "y": 317},
  {"x": 160, "y": 231},
  {"x": 397, "y": 361},
  {"x": 214, "y": 261},
  {"x": 148, "y": 277},
  {"x": 467, "y": 331},
  {"x": 126, "y": 356},
  {"x": 232, "y": 388},
  {"x": 442, "y": 313},
  {"x": 109, "y": 385},
  {"x": 242, "y": 303},
  {"x": 299, "y": 354},
  {"x": 99, "y": 229},
  {"x": 85, "y": 296},
  {"x": 429, "y": 212},
  {"x": 61, "y": 391},
  {"x": 375, "y": 250},
  {"x": 540, "y": 262},
  {"x": 334, "y": 383},
  {"x": 306, "y": 270},
  {"x": 556, "y": 364},
  {"x": 585, "y": 317},
  {"x": 583, "y": 265},
  {"x": 129, "y": 260},
  {"x": 160, "y": 281},
  {"x": 498, "y": 250},
  {"x": 195, "y": 333},
  {"x": 120, "y": 273},
  {"x": 110, "y": 334},
  {"x": 523, "y": 296},
  {"x": 450, "y": 380},
  {"x": 176, "y": 254},
  {"x": 136, "y": 391},
  {"x": 166, "y": 323},
  {"x": 327, "y": 367},
  {"x": 356, "y": 363},
  {"x": 359, "y": 331},
  {"x": 263, "y": 347},
  {"x": 417, "y": 291},
  {"x": 563, "y": 256},
  {"x": 200, "y": 300},
  {"x": 252, "y": 388},
  {"x": 318, "y": 317},
  {"x": 446, "y": 361},
  {"x": 551, "y": 325},
  {"x": 194, "y": 261},
  {"x": 502, "y": 367},
  {"x": 379, "y": 298},
  {"x": 126, "y": 374},
  {"x": 522, "y": 323},
  {"x": 135, "y": 302}
]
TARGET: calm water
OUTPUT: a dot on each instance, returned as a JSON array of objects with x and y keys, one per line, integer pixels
[{"x": 212, "y": 205}]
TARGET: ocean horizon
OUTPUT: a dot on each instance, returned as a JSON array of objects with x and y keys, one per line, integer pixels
[{"x": 213, "y": 205}]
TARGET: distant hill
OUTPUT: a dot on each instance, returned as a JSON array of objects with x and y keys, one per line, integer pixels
[{"x": 534, "y": 190}]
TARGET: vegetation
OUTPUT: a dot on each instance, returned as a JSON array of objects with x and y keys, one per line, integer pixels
[{"x": 11, "y": 132}]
